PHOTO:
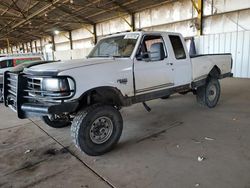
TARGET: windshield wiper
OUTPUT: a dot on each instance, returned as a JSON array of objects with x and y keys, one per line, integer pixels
[
  {"x": 99, "y": 56},
  {"x": 120, "y": 56}
]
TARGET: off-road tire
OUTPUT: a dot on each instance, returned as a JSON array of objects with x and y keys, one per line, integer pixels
[
  {"x": 209, "y": 94},
  {"x": 83, "y": 122},
  {"x": 55, "y": 124}
]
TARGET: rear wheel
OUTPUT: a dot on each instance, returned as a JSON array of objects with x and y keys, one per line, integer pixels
[
  {"x": 97, "y": 129},
  {"x": 56, "y": 122},
  {"x": 209, "y": 94}
]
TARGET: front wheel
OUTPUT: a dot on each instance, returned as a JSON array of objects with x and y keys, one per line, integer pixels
[
  {"x": 97, "y": 129},
  {"x": 209, "y": 94}
]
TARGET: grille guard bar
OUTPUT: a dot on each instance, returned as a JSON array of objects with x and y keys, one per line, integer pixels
[{"x": 26, "y": 109}]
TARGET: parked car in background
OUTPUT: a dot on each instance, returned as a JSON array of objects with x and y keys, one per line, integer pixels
[{"x": 9, "y": 61}]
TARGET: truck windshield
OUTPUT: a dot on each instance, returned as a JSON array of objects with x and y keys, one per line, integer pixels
[{"x": 119, "y": 46}]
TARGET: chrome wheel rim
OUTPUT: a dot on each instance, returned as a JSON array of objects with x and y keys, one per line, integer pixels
[
  {"x": 101, "y": 130},
  {"x": 212, "y": 92}
]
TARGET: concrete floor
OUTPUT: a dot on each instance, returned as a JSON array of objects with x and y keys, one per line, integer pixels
[{"x": 157, "y": 149}]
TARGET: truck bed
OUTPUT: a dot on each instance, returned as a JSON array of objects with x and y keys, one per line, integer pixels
[{"x": 203, "y": 64}]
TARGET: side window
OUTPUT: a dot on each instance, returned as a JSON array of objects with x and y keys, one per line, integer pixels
[
  {"x": 177, "y": 47},
  {"x": 6, "y": 64},
  {"x": 152, "y": 48},
  {"x": 10, "y": 63},
  {"x": 3, "y": 64}
]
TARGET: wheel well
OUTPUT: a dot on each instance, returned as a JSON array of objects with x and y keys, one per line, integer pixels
[
  {"x": 215, "y": 72},
  {"x": 105, "y": 95}
]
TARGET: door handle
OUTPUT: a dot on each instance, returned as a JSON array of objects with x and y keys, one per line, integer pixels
[{"x": 169, "y": 63}]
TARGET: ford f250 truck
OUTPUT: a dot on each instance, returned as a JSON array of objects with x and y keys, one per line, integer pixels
[{"x": 122, "y": 69}]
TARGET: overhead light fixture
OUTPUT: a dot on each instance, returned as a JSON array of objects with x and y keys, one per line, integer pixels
[
  {"x": 71, "y": 1},
  {"x": 56, "y": 32}
]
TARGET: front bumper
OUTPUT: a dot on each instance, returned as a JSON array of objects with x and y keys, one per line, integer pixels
[
  {"x": 16, "y": 98},
  {"x": 34, "y": 110}
]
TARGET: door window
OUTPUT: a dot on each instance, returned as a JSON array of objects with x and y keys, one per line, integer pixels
[
  {"x": 152, "y": 49},
  {"x": 177, "y": 47}
]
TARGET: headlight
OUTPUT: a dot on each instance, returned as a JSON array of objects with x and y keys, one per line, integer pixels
[{"x": 63, "y": 86}]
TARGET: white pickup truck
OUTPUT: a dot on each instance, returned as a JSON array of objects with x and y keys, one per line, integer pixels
[{"x": 122, "y": 69}]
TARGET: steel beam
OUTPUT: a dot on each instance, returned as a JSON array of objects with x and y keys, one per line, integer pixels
[
  {"x": 87, "y": 21},
  {"x": 40, "y": 19}
]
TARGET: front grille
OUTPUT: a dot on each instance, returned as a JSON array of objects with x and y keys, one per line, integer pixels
[
  {"x": 22, "y": 88},
  {"x": 33, "y": 86},
  {"x": 10, "y": 89},
  {"x": 33, "y": 90}
]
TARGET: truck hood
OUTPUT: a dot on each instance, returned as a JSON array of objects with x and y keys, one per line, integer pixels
[
  {"x": 21, "y": 67},
  {"x": 57, "y": 67}
]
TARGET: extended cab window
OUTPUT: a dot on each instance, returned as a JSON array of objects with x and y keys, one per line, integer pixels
[
  {"x": 177, "y": 47},
  {"x": 152, "y": 48}
]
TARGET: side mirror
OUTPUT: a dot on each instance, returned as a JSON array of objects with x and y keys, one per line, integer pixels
[{"x": 145, "y": 56}]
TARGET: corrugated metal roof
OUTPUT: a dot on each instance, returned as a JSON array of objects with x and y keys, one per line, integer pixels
[{"x": 26, "y": 20}]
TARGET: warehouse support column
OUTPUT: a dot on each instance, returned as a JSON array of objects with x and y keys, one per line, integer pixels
[
  {"x": 94, "y": 33},
  {"x": 53, "y": 46},
  {"x": 8, "y": 44},
  {"x": 200, "y": 17},
  {"x": 31, "y": 47},
  {"x": 11, "y": 49},
  {"x": 133, "y": 22},
  {"x": 23, "y": 48},
  {"x": 71, "y": 44},
  {"x": 70, "y": 40},
  {"x": 199, "y": 8},
  {"x": 27, "y": 47},
  {"x": 53, "y": 43},
  {"x": 41, "y": 45},
  {"x": 36, "y": 46}
]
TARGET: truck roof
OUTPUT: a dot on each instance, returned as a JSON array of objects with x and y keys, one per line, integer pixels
[{"x": 143, "y": 32}]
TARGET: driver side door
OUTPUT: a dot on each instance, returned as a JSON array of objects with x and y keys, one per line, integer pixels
[{"x": 153, "y": 73}]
